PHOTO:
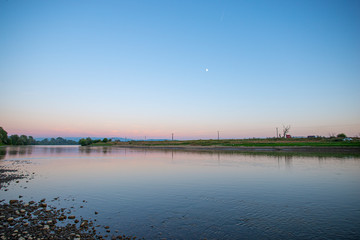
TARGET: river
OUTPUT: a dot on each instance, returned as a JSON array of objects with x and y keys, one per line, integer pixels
[{"x": 173, "y": 194}]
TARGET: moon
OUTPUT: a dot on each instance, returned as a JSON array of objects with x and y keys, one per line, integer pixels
[{"x": 206, "y": 69}]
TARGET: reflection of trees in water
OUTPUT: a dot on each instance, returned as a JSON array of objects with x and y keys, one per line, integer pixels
[
  {"x": 288, "y": 161},
  {"x": 89, "y": 150},
  {"x": 14, "y": 151},
  {"x": 86, "y": 150},
  {"x": 321, "y": 160},
  {"x": 29, "y": 150},
  {"x": 53, "y": 149},
  {"x": 106, "y": 150},
  {"x": 22, "y": 151},
  {"x": 45, "y": 149},
  {"x": 2, "y": 153}
]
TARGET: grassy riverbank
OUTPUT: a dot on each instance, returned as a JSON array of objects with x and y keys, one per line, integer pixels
[{"x": 270, "y": 142}]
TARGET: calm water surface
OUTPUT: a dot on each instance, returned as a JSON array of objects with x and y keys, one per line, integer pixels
[{"x": 172, "y": 194}]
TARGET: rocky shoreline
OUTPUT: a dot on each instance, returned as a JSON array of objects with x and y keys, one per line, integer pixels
[{"x": 22, "y": 220}]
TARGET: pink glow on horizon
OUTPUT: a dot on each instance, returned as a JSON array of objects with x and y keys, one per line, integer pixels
[{"x": 180, "y": 135}]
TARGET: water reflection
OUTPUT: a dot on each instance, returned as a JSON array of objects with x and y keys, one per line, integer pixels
[
  {"x": 2, "y": 153},
  {"x": 288, "y": 161},
  {"x": 201, "y": 194},
  {"x": 14, "y": 151},
  {"x": 286, "y": 157}
]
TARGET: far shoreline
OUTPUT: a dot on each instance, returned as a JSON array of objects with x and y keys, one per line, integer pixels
[{"x": 307, "y": 149}]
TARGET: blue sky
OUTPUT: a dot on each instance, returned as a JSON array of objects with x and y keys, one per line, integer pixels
[{"x": 137, "y": 68}]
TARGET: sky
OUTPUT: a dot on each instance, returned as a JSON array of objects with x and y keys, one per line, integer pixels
[{"x": 141, "y": 69}]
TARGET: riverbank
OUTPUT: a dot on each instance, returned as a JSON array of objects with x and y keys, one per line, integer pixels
[
  {"x": 284, "y": 145},
  {"x": 250, "y": 148}
]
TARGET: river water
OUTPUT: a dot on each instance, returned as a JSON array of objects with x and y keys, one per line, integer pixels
[{"x": 175, "y": 194}]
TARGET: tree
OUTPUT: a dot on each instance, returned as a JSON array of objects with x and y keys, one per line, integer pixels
[
  {"x": 85, "y": 142},
  {"x": 341, "y": 135},
  {"x": 31, "y": 141},
  {"x": 286, "y": 130},
  {"x": 14, "y": 139},
  {"x": 3, "y": 136},
  {"x": 23, "y": 140},
  {"x": 82, "y": 142},
  {"x": 105, "y": 140},
  {"x": 57, "y": 141}
]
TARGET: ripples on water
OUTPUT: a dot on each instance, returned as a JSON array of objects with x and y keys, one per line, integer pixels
[{"x": 194, "y": 195}]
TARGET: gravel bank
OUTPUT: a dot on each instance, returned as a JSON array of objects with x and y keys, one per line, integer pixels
[{"x": 39, "y": 220}]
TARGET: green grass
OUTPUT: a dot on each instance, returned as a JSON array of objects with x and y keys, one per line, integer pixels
[{"x": 271, "y": 142}]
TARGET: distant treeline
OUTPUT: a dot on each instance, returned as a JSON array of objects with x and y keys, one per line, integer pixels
[
  {"x": 88, "y": 141},
  {"x": 57, "y": 141},
  {"x": 29, "y": 140}
]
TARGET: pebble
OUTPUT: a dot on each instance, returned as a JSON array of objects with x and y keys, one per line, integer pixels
[
  {"x": 38, "y": 221},
  {"x": 13, "y": 201}
]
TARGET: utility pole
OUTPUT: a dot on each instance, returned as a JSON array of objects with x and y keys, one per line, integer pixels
[
  {"x": 218, "y": 135},
  {"x": 277, "y": 135},
  {"x": 172, "y": 137}
]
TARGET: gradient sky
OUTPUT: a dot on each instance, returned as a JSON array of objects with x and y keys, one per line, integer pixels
[{"x": 138, "y": 68}]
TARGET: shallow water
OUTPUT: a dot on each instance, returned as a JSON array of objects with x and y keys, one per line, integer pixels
[{"x": 173, "y": 194}]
